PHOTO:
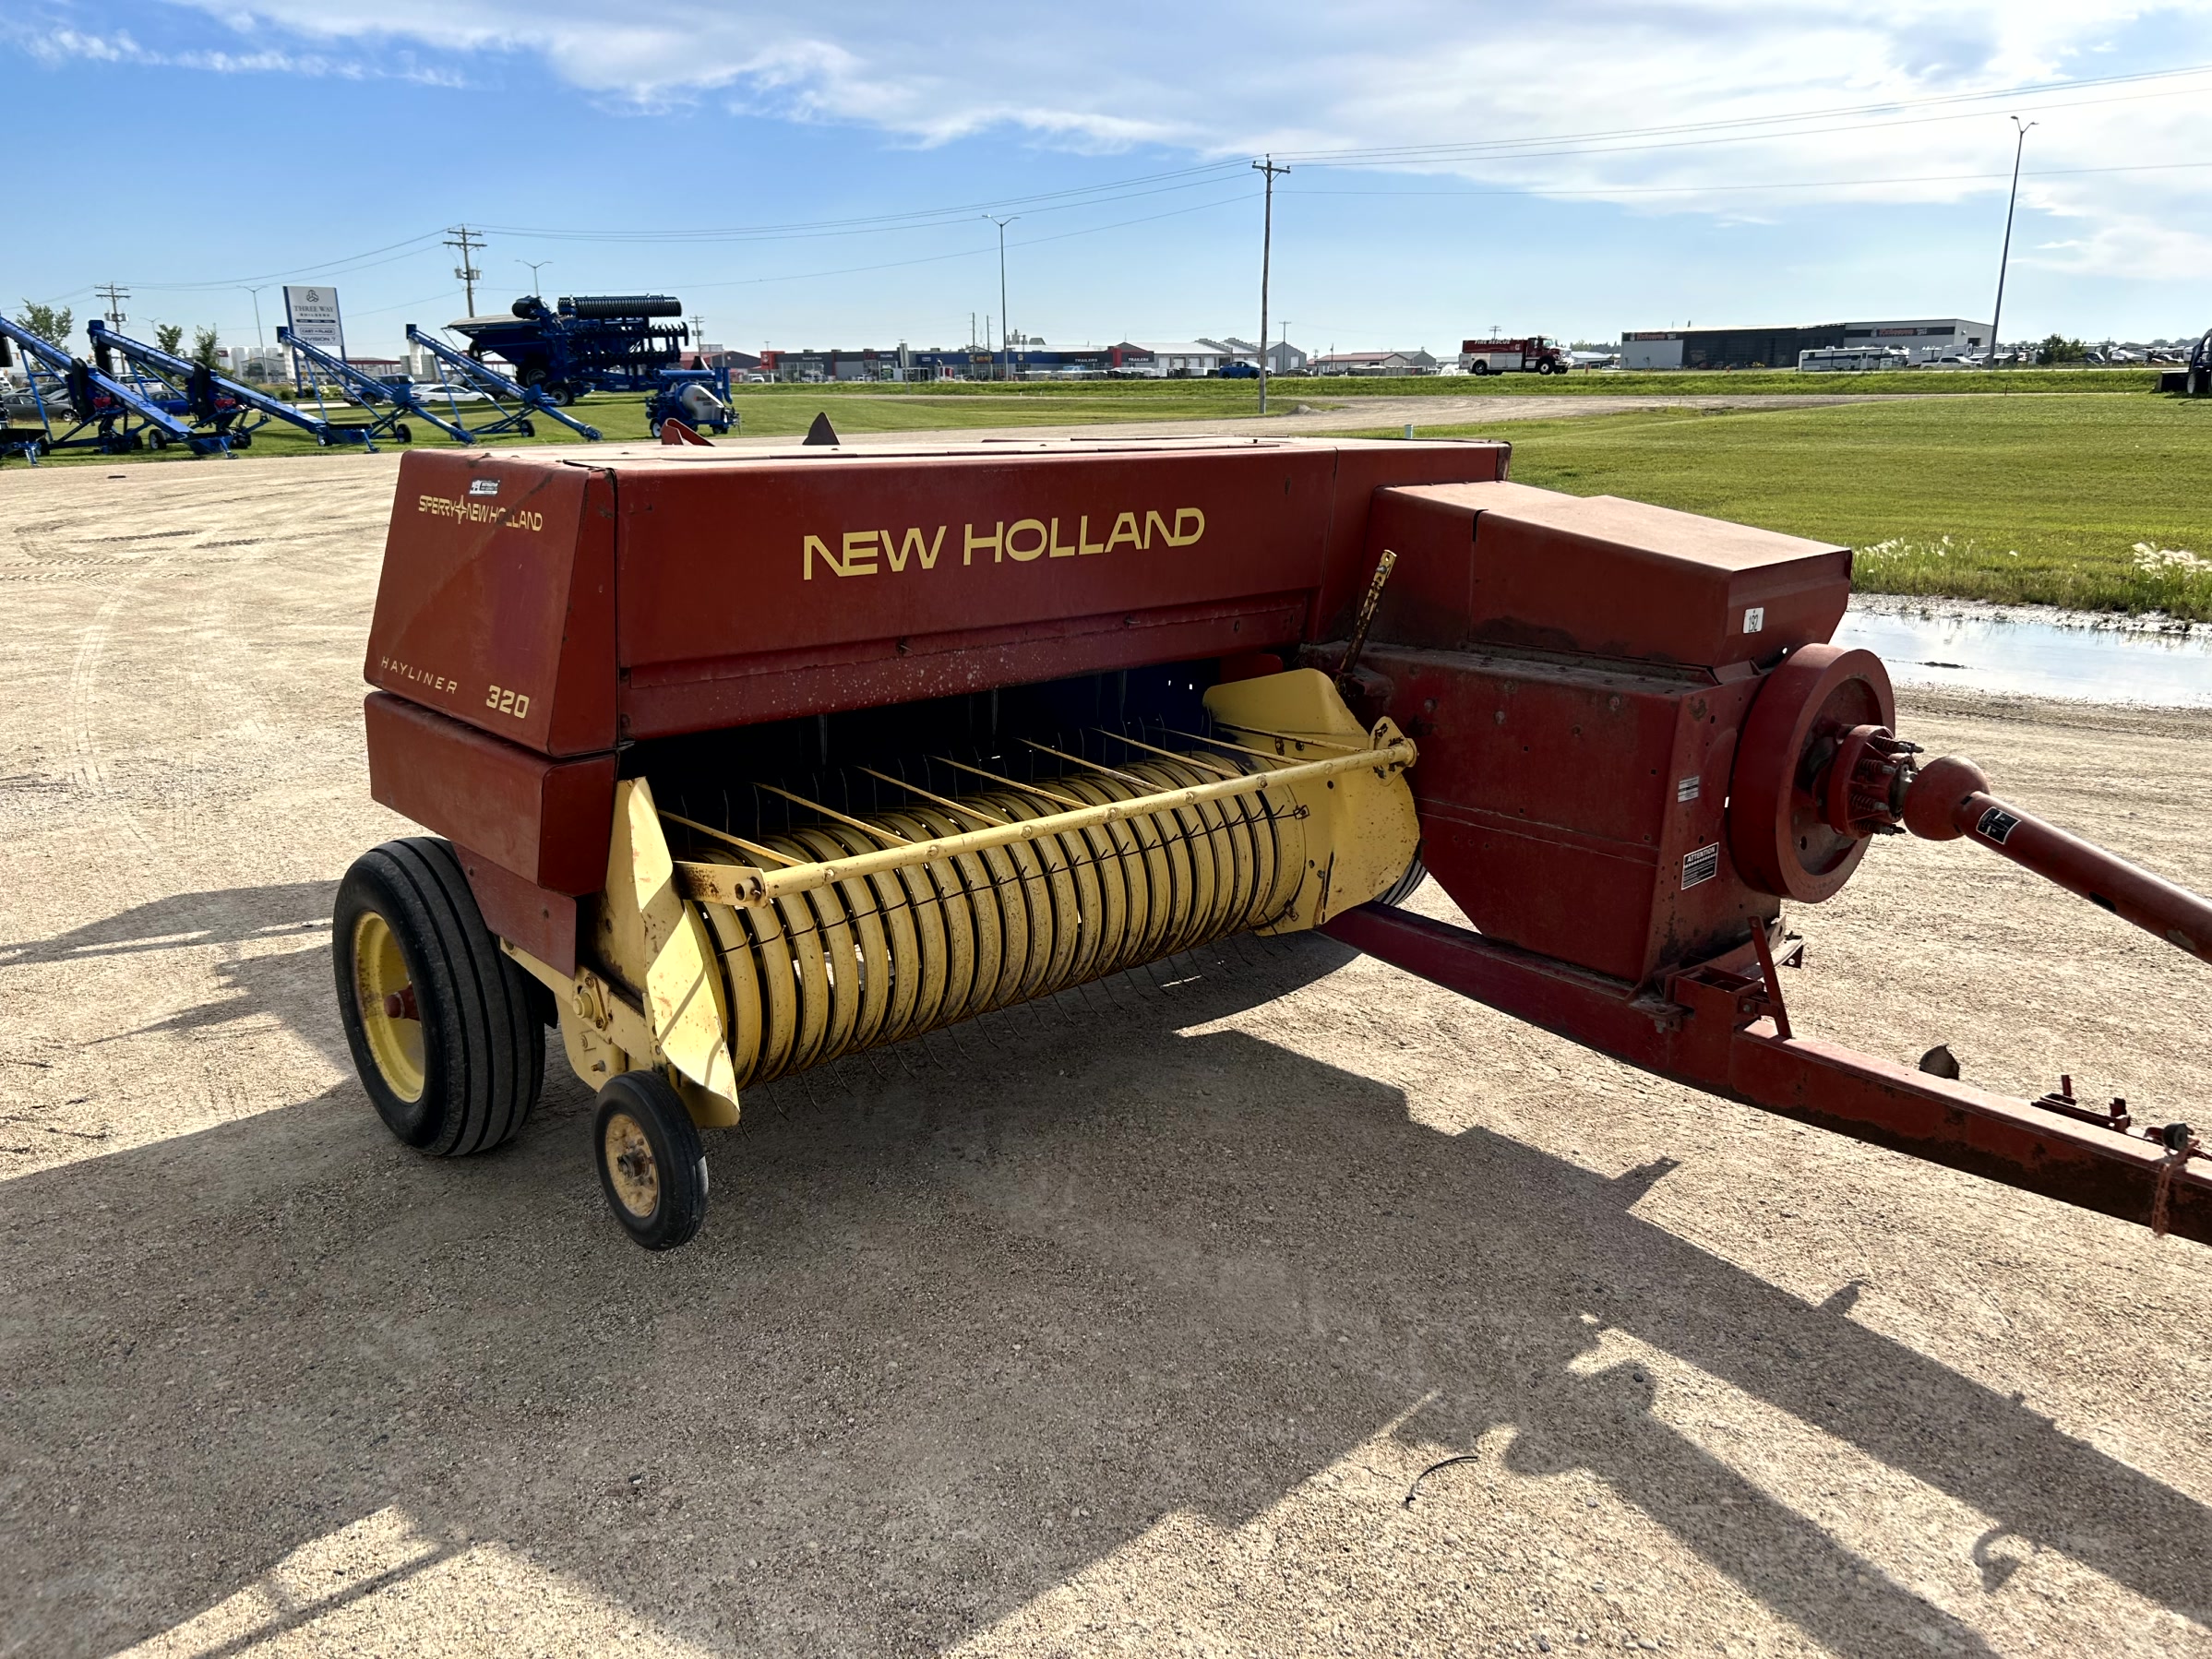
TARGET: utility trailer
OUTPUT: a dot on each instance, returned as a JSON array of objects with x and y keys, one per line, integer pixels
[
  {"x": 582, "y": 342},
  {"x": 387, "y": 403},
  {"x": 223, "y": 414},
  {"x": 80, "y": 405},
  {"x": 736, "y": 762},
  {"x": 513, "y": 404}
]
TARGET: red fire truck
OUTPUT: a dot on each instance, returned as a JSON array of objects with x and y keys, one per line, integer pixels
[{"x": 1535, "y": 356}]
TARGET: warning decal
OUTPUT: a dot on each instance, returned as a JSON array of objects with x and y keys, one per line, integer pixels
[
  {"x": 1996, "y": 824},
  {"x": 1701, "y": 865}
]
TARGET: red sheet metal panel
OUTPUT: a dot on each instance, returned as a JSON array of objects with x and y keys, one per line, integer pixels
[
  {"x": 534, "y": 918},
  {"x": 548, "y": 821},
  {"x": 898, "y": 575},
  {"x": 1577, "y": 808},
  {"x": 1601, "y": 576},
  {"x": 705, "y": 588},
  {"x": 496, "y": 602}
]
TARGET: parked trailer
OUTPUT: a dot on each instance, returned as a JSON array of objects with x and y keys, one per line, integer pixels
[
  {"x": 80, "y": 406},
  {"x": 582, "y": 342},
  {"x": 356, "y": 385},
  {"x": 1534, "y": 355},
  {"x": 515, "y": 403},
  {"x": 220, "y": 409}
]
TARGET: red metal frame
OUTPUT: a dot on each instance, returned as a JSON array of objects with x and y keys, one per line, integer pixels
[{"x": 1715, "y": 1028}]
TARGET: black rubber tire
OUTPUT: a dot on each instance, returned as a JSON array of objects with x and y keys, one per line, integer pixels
[
  {"x": 1408, "y": 884},
  {"x": 680, "y": 1205},
  {"x": 1482, "y": 368},
  {"x": 402, "y": 433},
  {"x": 525, "y": 428},
  {"x": 484, "y": 1048}
]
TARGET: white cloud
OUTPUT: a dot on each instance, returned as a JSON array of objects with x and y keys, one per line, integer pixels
[{"x": 1241, "y": 75}]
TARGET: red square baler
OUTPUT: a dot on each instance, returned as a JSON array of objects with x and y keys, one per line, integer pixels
[{"x": 738, "y": 760}]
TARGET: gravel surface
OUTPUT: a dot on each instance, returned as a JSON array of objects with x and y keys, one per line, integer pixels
[{"x": 1117, "y": 1325}]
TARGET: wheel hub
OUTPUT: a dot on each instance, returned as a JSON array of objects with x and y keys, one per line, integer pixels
[
  {"x": 384, "y": 991},
  {"x": 630, "y": 1166}
]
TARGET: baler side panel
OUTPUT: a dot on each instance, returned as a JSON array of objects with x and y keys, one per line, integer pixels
[
  {"x": 898, "y": 582},
  {"x": 496, "y": 605},
  {"x": 545, "y": 820}
]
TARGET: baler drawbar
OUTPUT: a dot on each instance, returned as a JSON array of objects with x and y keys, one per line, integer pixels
[{"x": 738, "y": 762}]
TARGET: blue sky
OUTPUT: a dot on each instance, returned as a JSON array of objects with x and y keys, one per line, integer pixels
[{"x": 816, "y": 174}]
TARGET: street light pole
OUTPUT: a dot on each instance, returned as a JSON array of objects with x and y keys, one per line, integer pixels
[
  {"x": 535, "y": 266},
  {"x": 260, "y": 338},
  {"x": 2005, "y": 258},
  {"x": 1267, "y": 243},
  {"x": 1004, "y": 357}
]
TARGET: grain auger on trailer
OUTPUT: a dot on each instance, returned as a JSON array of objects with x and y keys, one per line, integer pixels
[{"x": 742, "y": 761}]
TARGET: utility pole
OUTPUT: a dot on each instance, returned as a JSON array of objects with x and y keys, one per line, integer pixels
[
  {"x": 698, "y": 338},
  {"x": 2019, "y": 145},
  {"x": 115, "y": 296},
  {"x": 536, "y": 265},
  {"x": 1267, "y": 243},
  {"x": 1002, "y": 223},
  {"x": 467, "y": 241}
]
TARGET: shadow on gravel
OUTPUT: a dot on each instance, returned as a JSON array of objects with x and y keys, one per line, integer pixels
[
  {"x": 965, "y": 1318},
  {"x": 228, "y": 917}
]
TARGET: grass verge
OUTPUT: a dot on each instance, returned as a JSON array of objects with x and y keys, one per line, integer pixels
[{"x": 2094, "y": 502}]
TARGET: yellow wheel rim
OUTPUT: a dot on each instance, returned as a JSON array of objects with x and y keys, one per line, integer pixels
[
  {"x": 630, "y": 1168},
  {"x": 384, "y": 992}
]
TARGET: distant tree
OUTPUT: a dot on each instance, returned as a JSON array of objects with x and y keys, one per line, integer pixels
[
  {"x": 49, "y": 325},
  {"x": 170, "y": 337},
  {"x": 2057, "y": 348},
  {"x": 204, "y": 346}
]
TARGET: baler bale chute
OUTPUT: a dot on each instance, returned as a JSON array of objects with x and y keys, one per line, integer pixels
[{"x": 739, "y": 762}]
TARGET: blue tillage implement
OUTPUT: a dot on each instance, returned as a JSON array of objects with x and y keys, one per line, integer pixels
[
  {"x": 513, "y": 403},
  {"x": 220, "y": 412}
]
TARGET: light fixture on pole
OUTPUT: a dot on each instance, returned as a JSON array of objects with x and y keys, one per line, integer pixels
[
  {"x": 1004, "y": 358},
  {"x": 536, "y": 293},
  {"x": 260, "y": 338},
  {"x": 1267, "y": 240},
  {"x": 2005, "y": 258}
]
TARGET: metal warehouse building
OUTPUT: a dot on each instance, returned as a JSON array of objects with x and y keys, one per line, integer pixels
[{"x": 1926, "y": 339}]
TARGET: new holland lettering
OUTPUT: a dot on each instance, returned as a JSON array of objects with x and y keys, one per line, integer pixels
[{"x": 1018, "y": 540}]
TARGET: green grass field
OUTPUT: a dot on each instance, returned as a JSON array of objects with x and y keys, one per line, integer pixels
[{"x": 2097, "y": 504}]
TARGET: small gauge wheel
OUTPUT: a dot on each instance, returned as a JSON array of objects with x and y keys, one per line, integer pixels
[{"x": 650, "y": 1166}]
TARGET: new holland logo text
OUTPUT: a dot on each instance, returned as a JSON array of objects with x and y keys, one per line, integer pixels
[{"x": 877, "y": 552}]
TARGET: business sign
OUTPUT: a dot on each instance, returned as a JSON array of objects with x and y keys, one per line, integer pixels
[{"x": 311, "y": 316}]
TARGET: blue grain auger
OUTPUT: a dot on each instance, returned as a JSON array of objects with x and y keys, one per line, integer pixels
[
  {"x": 513, "y": 404},
  {"x": 389, "y": 402},
  {"x": 80, "y": 406},
  {"x": 220, "y": 414}
]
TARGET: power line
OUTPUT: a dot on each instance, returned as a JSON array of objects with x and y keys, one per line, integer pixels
[{"x": 115, "y": 296}]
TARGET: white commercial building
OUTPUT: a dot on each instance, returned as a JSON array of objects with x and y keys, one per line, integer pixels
[{"x": 1923, "y": 339}]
